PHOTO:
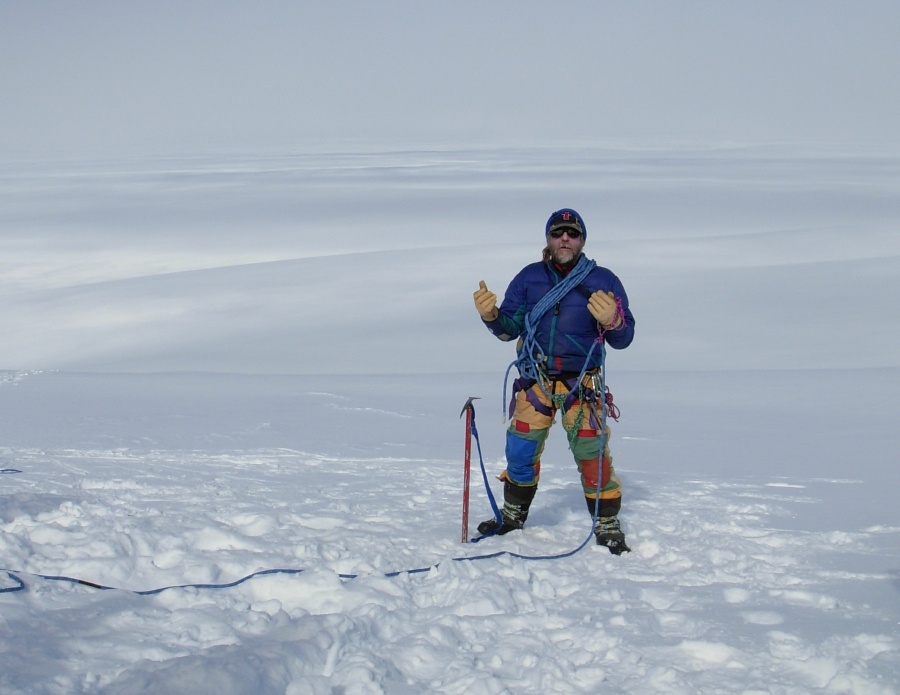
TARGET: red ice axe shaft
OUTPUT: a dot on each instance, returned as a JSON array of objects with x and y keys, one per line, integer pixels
[{"x": 467, "y": 410}]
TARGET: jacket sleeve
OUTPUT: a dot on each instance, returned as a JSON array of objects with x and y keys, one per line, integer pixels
[
  {"x": 621, "y": 338},
  {"x": 503, "y": 327},
  {"x": 510, "y": 321}
]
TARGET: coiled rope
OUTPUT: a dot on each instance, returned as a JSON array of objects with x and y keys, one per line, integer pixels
[{"x": 531, "y": 355}]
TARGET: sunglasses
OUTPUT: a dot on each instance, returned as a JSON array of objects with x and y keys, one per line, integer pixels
[{"x": 572, "y": 232}]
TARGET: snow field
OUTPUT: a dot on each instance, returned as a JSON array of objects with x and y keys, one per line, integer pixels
[{"x": 723, "y": 595}]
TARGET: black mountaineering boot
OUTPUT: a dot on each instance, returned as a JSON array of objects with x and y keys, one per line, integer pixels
[
  {"x": 607, "y": 530},
  {"x": 608, "y": 533},
  {"x": 517, "y": 500}
]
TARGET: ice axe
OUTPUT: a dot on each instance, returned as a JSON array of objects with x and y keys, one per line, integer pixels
[{"x": 469, "y": 412}]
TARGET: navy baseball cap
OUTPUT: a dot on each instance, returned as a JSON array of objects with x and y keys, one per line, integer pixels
[{"x": 566, "y": 218}]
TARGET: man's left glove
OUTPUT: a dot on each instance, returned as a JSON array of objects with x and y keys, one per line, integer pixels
[{"x": 605, "y": 309}]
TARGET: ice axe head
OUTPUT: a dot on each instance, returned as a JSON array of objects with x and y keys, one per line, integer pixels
[{"x": 469, "y": 404}]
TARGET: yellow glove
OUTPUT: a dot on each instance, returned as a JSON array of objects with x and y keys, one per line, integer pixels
[
  {"x": 602, "y": 306},
  {"x": 486, "y": 302}
]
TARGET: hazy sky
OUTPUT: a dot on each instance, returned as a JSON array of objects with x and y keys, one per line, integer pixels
[{"x": 120, "y": 78}]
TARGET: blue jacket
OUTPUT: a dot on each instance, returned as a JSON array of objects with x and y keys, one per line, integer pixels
[{"x": 567, "y": 332}]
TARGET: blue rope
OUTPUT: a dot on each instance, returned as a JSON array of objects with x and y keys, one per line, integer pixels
[
  {"x": 527, "y": 362},
  {"x": 604, "y": 411},
  {"x": 20, "y": 584},
  {"x": 529, "y": 366},
  {"x": 582, "y": 269},
  {"x": 530, "y": 347},
  {"x": 484, "y": 477}
]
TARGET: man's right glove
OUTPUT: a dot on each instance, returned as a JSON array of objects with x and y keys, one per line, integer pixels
[{"x": 486, "y": 302}]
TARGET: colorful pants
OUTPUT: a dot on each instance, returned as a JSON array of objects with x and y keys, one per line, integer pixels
[{"x": 533, "y": 412}]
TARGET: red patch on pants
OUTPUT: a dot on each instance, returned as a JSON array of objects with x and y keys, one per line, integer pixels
[
  {"x": 591, "y": 469},
  {"x": 522, "y": 426}
]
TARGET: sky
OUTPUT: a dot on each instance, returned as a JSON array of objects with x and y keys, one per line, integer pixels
[{"x": 111, "y": 79}]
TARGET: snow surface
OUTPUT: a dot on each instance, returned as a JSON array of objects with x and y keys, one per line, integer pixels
[{"x": 217, "y": 367}]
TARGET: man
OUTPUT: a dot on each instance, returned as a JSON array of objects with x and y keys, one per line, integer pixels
[{"x": 563, "y": 310}]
